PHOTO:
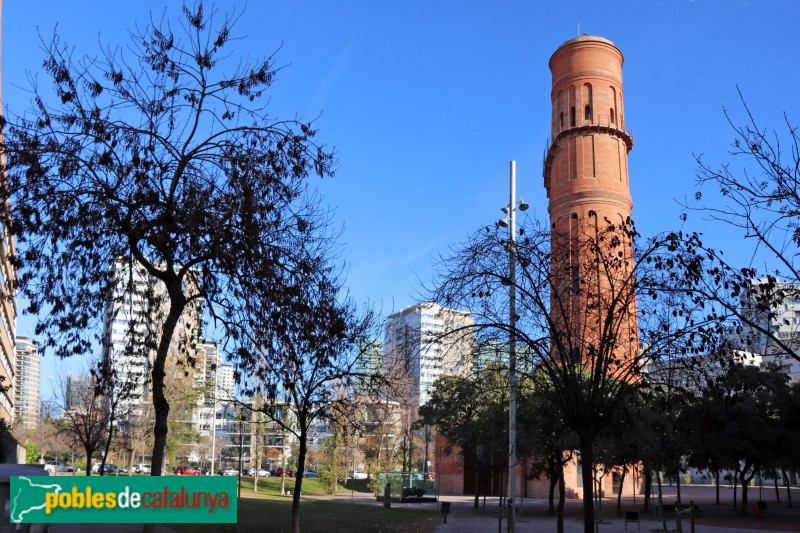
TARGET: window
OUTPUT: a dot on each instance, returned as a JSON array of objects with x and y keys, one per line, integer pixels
[
  {"x": 572, "y": 117},
  {"x": 612, "y": 115},
  {"x": 587, "y": 113},
  {"x": 576, "y": 280}
]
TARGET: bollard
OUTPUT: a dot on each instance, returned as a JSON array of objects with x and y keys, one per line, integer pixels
[
  {"x": 387, "y": 496},
  {"x": 445, "y": 510},
  {"x": 678, "y": 526}
]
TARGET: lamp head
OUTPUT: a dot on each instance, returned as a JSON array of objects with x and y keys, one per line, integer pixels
[
  {"x": 523, "y": 205},
  {"x": 503, "y": 222}
]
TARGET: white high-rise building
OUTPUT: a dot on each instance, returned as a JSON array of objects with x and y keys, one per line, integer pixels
[
  {"x": 212, "y": 375},
  {"x": 426, "y": 341},
  {"x": 27, "y": 404},
  {"x": 132, "y": 328},
  {"x": 772, "y": 309}
]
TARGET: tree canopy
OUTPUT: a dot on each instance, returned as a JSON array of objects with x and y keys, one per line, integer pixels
[{"x": 163, "y": 151}]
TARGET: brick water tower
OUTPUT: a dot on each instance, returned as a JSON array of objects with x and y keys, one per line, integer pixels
[{"x": 586, "y": 177}]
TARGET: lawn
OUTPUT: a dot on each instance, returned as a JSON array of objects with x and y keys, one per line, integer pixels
[{"x": 274, "y": 514}]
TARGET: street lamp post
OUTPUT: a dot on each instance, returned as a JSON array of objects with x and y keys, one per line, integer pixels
[{"x": 511, "y": 222}]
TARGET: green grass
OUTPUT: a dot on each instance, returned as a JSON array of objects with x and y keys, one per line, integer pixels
[
  {"x": 268, "y": 515},
  {"x": 271, "y": 486}
]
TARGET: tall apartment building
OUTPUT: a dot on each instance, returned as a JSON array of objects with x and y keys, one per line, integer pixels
[
  {"x": 132, "y": 328},
  {"x": 212, "y": 376},
  {"x": 78, "y": 391},
  {"x": 772, "y": 309},
  {"x": 27, "y": 403},
  {"x": 426, "y": 341},
  {"x": 8, "y": 308}
]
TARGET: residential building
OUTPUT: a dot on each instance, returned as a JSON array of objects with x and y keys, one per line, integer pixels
[
  {"x": 27, "y": 403},
  {"x": 423, "y": 342},
  {"x": 8, "y": 323},
  {"x": 771, "y": 331},
  {"x": 369, "y": 364},
  {"x": 133, "y": 318},
  {"x": 213, "y": 378},
  {"x": 77, "y": 392}
]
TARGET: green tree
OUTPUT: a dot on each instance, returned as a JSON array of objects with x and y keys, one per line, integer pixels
[
  {"x": 164, "y": 152},
  {"x": 757, "y": 193},
  {"x": 744, "y": 406},
  {"x": 472, "y": 413}
]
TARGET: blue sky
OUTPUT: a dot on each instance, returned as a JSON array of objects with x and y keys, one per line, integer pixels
[{"x": 426, "y": 102}]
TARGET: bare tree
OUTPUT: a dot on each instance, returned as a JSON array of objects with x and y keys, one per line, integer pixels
[
  {"x": 85, "y": 415},
  {"x": 761, "y": 199},
  {"x": 163, "y": 151},
  {"x": 305, "y": 353}
]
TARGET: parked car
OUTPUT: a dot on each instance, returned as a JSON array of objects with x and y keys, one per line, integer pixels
[
  {"x": 261, "y": 472},
  {"x": 141, "y": 468},
  {"x": 110, "y": 468},
  {"x": 58, "y": 466},
  {"x": 229, "y": 471},
  {"x": 357, "y": 475},
  {"x": 188, "y": 471},
  {"x": 310, "y": 473},
  {"x": 279, "y": 472}
]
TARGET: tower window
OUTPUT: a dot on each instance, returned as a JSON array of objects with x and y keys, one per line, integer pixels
[
  {"x": 613, "y": 116},
  {"x": 576, "y": 280},
  {"x": 572, "y": 117},
  {"x": 587, "y": 113},
  {"x": 561, "y": 119}
]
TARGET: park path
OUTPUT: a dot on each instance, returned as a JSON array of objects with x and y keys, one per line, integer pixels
[{"x": 535, "y": 518}]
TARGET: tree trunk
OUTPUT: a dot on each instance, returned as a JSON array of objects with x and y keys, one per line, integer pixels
[
  {"x": 735, "y": 488},
  {"x": 587, "y": 473},
  {"x": 177, "y": 305},
  {"x": 89, "y": 452},
  {"x": 777, "y": 490},
  {"x": 524, "y": 479},
  {"x": 788, "y": 486},
  {"x": 298, "y": 477},
  {"x": 661, "y": 501},
  {"x": 716, "y": 482},
  {"x": 476, "y": 503},
  {"x": 552, "y": 472},
  {"x": 678, "y": 483},
  {"x": 619, "y": 493},
  {"x": 648, "y": 487},
  {"x": 745, "y": 480}
]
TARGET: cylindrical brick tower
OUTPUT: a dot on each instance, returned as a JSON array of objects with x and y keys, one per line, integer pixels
[{"x": 586, "y": 177}]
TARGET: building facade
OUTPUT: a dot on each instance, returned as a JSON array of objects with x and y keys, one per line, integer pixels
[
  {"x": 27, "y": 402},
  {"x": 8, "y": 323},
  {"x": 771, "y": 330},
  {"x": 133, "y": 318},
  {"x": 423, "y": 342},
  {"x": 213, "y": 378}
]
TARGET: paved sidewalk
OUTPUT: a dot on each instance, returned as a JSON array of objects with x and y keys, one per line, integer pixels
[{"x": 534, "y": 516}]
